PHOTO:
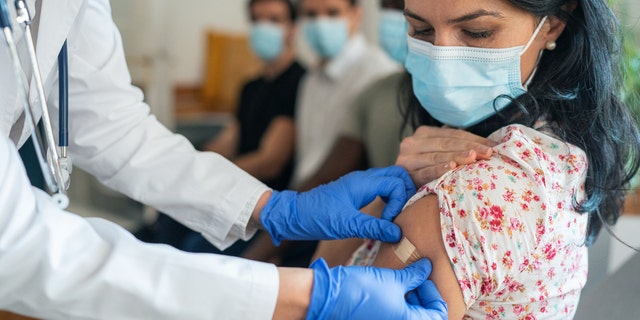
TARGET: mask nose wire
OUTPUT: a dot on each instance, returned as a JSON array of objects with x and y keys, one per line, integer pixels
[{"x": 535, "y": 34}]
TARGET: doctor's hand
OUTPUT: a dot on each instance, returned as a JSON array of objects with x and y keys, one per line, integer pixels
[
  {"x": 331, "y": 211},
  {"x": 433, "y": 151},
  {"x": 372, "y": 293}
]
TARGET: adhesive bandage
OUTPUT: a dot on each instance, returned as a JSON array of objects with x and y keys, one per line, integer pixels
[{"x": 406, "y": 251}]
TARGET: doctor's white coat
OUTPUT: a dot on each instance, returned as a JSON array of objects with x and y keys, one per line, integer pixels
[{"x": 56, "y": 265}]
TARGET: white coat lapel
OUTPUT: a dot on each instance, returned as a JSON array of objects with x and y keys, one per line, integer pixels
[{"x": 55, "y": 22}]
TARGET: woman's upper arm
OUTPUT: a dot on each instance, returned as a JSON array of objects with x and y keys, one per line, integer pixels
[{"x": 420, "y": 224}]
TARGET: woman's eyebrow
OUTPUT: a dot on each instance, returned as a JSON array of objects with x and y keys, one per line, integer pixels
[
  {"x": 466, "y": 17},
  {"x": 410, "y": 14},
  {"x": 475, "y": 15}
]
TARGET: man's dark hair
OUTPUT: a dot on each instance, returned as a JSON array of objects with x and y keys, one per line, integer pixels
[
  {"x": 293, "y": 14},
  {"x": 392, "y": 4}
]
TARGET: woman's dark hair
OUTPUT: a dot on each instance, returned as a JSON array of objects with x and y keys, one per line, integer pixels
[{"x": 576, "y": 89}]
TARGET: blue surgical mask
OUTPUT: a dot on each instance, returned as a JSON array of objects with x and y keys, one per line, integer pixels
[
  {"x": 267, "y": 40},
  {"x": 393, "y": 34},
  {"x": 326, "y": 36},
  {"x": 462, "y": 86}
]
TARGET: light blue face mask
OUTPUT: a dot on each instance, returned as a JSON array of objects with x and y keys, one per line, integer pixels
[
  {"x": 267, "y": 40},
  {"x": 393, "y": 34},
  {"x": 326, "y": 36},
  {"x": 462, "y": 86}
]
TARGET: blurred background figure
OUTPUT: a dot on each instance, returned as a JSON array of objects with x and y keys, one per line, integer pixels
[
  {"x": 260, "y": 139},
  {"x": 347, "y": 65},
  {"x": 371, "y": 132},
  {"x": 329, "y": 97}
]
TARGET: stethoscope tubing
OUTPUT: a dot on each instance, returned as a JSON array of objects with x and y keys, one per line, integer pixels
[{"x": 49, "y": 161}]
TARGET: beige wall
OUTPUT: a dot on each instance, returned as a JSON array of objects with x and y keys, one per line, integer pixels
[
  {"x": 175, "y": 29},
  {"x": 182, "y": 29}
]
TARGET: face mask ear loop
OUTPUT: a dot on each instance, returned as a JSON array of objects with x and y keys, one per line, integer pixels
[
  {"x": 533, "y": 37},
  {"x": 535, "y": 34}
]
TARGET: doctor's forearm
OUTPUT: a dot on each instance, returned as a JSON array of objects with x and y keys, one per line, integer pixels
[
  {"x": 294, "y": 294},
  {"x": 255, "y": 215}
]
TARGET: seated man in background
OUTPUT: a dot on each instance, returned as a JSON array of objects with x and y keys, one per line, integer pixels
[
  {"x": 328, "y": 94},
  {"x": 260, "y": 139},
  {"x": 372, "y": 128}
]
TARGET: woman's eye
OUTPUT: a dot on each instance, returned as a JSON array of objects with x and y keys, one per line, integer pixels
[
  {"x": 478, "y": 34},
  {"x": 422, "y": 32}
]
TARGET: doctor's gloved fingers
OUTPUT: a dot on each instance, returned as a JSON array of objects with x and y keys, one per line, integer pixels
[
  {"x": 398, "y": 172},
  {"x": 426, "y": 300},
  {"x": 394, "y": 192},
  {"x": 364, "y": 226},
  {"x": 415, "y": 274}
]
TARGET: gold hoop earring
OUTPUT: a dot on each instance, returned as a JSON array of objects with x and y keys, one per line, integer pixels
[{"x": 551, "y": 45}]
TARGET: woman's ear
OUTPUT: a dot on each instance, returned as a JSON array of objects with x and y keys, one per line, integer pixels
[
  {"x": 555, "y": 28},
  {"x": 556, "y": 25}
]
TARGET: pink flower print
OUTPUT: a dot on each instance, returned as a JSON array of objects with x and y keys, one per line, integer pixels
[
  {"x": 479, "y": 185},
  {"x": 515, "y": 224},
  {"x": 513, "y": 285},
  {"x": 507, "y": 261},
  {"x": 465, "y": 284},
  {"x": 539, "y": 153},
  {"x": 509, "y": 196},
  {"x": 549, "y": 251},
  {"x": 462, "y": 213},
  {"x": 525, "y": 265},
  {"x": 487, "y": 287},
  {"x": 496, "y": 212},
  {"x": 530, "y": 317},
  {"x": 451, "y": 240},
  {"x": 527, "y": 196},
  {"x": 540, "y": 229},
  {"x": 483, "y": 214},
  {"x": 518, "y": 309},
  {"x": 496, "y": 225}
]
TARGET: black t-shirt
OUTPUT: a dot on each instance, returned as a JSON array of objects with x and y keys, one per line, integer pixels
[{"x": 262, "y": 101}]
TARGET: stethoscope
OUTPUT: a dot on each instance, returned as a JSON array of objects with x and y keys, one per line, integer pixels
[{"x": 54, "y": 163}]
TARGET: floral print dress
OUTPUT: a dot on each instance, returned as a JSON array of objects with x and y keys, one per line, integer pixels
[{"x": 510, "y": 228}]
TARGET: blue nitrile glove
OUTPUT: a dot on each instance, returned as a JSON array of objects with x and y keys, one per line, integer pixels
[
  {"x": 331, "y": 211},
  {"x": 372, "y": 293}
]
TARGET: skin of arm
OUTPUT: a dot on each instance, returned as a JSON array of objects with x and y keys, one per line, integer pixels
[
  {"x": 226, "y": 142},
  {"x": 420, "y": 223},
  {"x": 275, "y": 151},
  {"x": 347, "y": 155},
  {"x": 294, "y": 295}
]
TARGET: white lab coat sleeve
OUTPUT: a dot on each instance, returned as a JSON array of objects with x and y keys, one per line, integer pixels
[
  {"x": 57, "y": 265},
  {"x": 114, "y": 137}
]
